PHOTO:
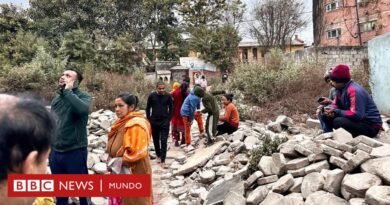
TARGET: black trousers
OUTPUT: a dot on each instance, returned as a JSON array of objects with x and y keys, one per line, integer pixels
[
  {"x": 356, "y": 128},
  {"x": 225, "y": 128},
  {"x": 160, "y": 133},
  {"x": 71, "y": 162}
]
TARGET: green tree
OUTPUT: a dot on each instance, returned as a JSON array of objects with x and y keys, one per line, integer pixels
[
  {"x": 216, "y": 45},
  {"x": 52, "y": 19},
  {"x": 165, "y": 31},
  {"x": 78, "y": 49},
  {"x": 201, "y": 12}
]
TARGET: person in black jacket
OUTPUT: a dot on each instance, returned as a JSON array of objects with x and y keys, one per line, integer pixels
[{"x": 159, "y": 110}]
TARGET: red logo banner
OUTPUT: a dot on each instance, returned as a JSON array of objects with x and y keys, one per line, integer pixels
[{"x": 66, "y": 185}]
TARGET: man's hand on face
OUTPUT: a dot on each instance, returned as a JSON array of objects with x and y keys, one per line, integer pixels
[{"x": 70, "y": 85}]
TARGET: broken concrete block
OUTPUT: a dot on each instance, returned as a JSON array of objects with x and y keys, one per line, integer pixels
[
  {"x": 338, "y": 145},
  {"x": 267, "y": 166},
  {"x": 297, "y": 163},
  {"x": 283, "y": 184},
  {"x": 297, "y": 172},
  {"x": 317, "y": 167},
  {"x": 267, "y": 180},
  {"x": 331, "y": 151},
  {"x": 341, "y": 135},
  {"x": 296, "y": 187},
  {"x": 378, "y": 195},
  {"x": 279, "y": 162},
  {"x": 364, "y": 147},
  {"x": 358, "y": 184},
  {"x": 338, "y": 161},
  {"x": 312, "y": 123},
  {"x": 312, "y": 183},
  {"x": 333, "y": 181},
  {"x": 251, "y": 179}
]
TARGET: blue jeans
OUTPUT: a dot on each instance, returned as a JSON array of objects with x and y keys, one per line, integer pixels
[{"x": 71, "y": 162}]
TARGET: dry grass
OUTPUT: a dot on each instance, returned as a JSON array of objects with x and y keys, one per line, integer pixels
[{"x": 105, "y": 87}]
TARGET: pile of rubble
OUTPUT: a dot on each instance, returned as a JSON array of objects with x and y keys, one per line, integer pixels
[{"x": 331, "y": 168}]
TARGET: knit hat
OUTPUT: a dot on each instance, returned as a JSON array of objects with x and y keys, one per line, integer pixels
[{"x": 340, "y": 74}]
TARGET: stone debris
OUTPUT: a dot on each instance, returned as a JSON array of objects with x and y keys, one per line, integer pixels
[{"x": 329, "y": 168}]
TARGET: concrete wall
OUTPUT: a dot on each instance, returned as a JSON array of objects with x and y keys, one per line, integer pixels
[
  {"x": 379, "y": 55},
  {"x": 353, "y": 56}
]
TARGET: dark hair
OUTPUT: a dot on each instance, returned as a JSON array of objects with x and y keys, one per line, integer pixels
[
  {"x": 203, "y": 77},
  {"x": 184, "y": 90},
  {"x": 129, "y": 99},
  {"x": 160, "y": 83},
  {"x": 26, "y": 126},
  {"x": 79, "y": 74},
  {"x": 229, "y": 97}
]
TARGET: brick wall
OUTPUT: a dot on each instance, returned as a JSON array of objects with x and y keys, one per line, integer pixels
[{"x": 355, "y": 57}]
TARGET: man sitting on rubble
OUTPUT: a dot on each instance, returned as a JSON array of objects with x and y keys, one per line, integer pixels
[{"x": 353, "y": 108}]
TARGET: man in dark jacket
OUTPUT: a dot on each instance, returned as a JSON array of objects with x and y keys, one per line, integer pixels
[
  {"x": 353, "y": 108},
  {"x": 211, "y": 108},
  {"x": 69, "y": 150},
  {"x": 159, "y": 110}
]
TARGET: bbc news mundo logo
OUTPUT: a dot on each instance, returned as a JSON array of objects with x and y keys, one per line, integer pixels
[{"x": 66, "y": 185}]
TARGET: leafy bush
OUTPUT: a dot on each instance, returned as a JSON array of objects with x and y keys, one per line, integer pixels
[
  {"x": 268, "y": 147},
  {"x": 38, "y": 75}
]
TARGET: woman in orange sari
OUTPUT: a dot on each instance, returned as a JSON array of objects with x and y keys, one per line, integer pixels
[{"x": 129, "y": 138}]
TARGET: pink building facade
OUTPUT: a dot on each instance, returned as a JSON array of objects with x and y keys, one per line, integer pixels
[{"x": 337, "y": 22}]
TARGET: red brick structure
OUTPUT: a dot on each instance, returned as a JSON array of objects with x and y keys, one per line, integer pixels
[{"x": 337, "y": 22}]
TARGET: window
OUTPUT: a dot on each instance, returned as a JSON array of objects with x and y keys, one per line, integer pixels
[
  {"x": 254, "y": 51},
  {"x": 334, "y": 33},
  {"x": 332, "y": 6},
  {"x": 367, "y": 26},
  {"x": 363, "y": 2}
]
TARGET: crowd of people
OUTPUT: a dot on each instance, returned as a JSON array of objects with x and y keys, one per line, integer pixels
[{"x": 30, "y": 134}]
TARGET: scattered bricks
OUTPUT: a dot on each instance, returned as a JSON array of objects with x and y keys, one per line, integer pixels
[
  {"x": 253, "y": 178},
  {"x": 279, "y": 162},
  {"x": 296, "y": 187},
  {"x": 297, "y": 163},
  {"x": 364, "y": 147},
  {"x": 317, "y": 157},
  {"x": 312, "y": 123},
  {"x": 383, "y": 151},
  {"x": 287, "y": 149},
  {"x": 339, "y": 146},
  {"x": 370, "y": 141},
  {"x": 358, "y": 184},
  {"x": 348, "y": 155},
  {"x": 283, "y": 184},
  {"x": 317, "y": 167},
  {"x": 341, "y": 135},
  {"x": 267, "y": 180},
  {"x": 365, "y": 140},
  {"x": 333, "y": 181},
  {"x": 297, "y": 173},
  {"x": 331, "y": 151},
  {"x": 302, "y": 150},
  {"x": 338, "y": 161},
  {"x": 356, "y": 160},
  {"x": 267, "y": 166},
  {"x": 311, "y": 146}
]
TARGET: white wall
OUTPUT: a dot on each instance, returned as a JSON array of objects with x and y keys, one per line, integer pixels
[{"x": 379, "y": 58}]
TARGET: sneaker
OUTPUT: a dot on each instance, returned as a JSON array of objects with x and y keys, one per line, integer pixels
[
  {"x": 177, "y": 143},
  {"x": 158, "y": 160}
]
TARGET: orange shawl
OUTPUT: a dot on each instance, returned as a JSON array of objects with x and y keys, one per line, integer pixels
[{"x": 135, "y": 138}]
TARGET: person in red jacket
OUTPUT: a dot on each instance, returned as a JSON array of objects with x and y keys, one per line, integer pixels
[
  {"x": 177, "y": 121},
  {"x": 230, "y": 118}
]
